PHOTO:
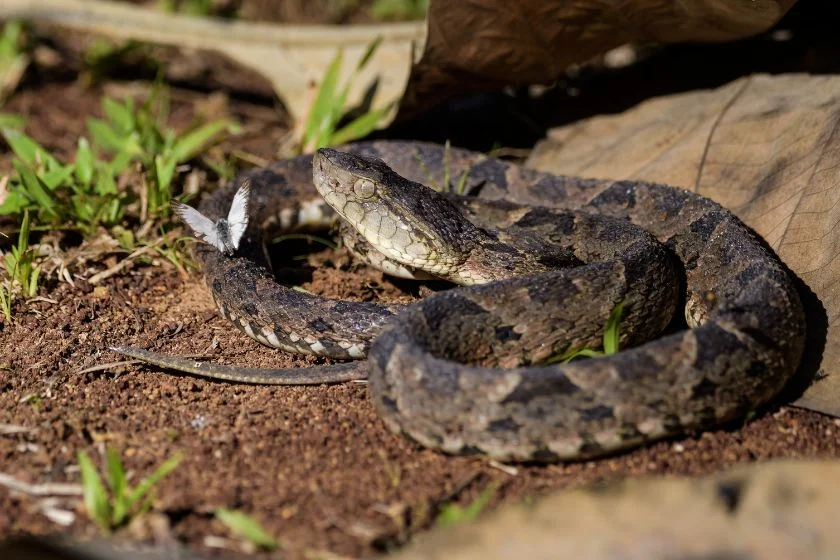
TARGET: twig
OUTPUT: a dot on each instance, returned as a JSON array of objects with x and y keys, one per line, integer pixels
[
  {"x": 507, "y": 469},
  {"x": 12, "y": 429},
  {"x": 45, "y": 489},
  {"x": 107, "y": 273}
]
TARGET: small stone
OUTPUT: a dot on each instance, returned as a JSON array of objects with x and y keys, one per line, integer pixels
[{"x": 101, "y": 292}]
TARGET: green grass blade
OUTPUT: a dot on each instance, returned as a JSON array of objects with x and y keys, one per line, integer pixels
[
  {"x": 9, "y": 120},
  {"x": 82, "y": 210},
  {"x": 473, "y": 510},
  {"x": 371, "y": 49},
  {"x": 118, "y": 483},
  {"x": 339, "y": 104},
  {"x": 320, "y": 114},
  {"x": 461, "y": 187},
  {"x": 27, "y": 149},
  {"x": 120, "y": 163},
  {"x": 570, "y": 355},
  {"x": 110, "y": 139},
  {"x": 6, "y": 302},
  {"x": 192, "y": 143},
  {"x": 32, "y": 286},
  {"x": 247, "y": 528},
  {"x": 10, "y": 39},
  {"x": 23, "y": 235},
  {"x": 164, "y": 171},
  {"x": 116, "y": 472},
  {"x": 120, "y": 114},
  {"x": 57, "y": 177},
  {"x": 96, "y": 498},
  {"x": 10, "y": 262},
  {"x": 105, "y": 184},
  {"x": 337, "y": 111},
  {"x": 14, "y": 202},
  {"x": 105, "y": 136},
  {"x": 167, "y": 467},
  {"x": 361, "y": 126},
  {"x": 84, "y": 162},
  {"x": 35, "y": 188},
  {"x": 611, "y": 331},
  {"x": 452, "y": 514}
]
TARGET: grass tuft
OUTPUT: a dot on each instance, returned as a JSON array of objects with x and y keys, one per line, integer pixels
[
  {"x": 84, "y": 194},
  {"x": 130, "y": 146},
  {"x": 247, "y": 527},
  {"x": 116, "y": 505},
  {"x": 13, "y": 57},
  {"x": 454, "y": 514},
  {"x": 458, "y": 188},
  {"x": 324, "y": 124},
  {"x": 609, "y": 345},
  {"x": 22, "y": 274}
]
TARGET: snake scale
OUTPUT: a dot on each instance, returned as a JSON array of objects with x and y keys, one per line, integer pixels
[{"x": 543, "y": 260}]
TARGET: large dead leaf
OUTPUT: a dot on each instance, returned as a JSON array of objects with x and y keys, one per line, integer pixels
[
  {"x": 486, "y": 44},
  {"x": 766, "y": 147},
  {"x": 472, "y": 46},
  {"x": 293, "y": 58}
]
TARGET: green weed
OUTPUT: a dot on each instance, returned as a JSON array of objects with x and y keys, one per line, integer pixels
[
  {"x": 83, "y": 194},
  {"x": 135, "y": 134},
  {"x": 609, "y": 344},
  {"x": 6, "y": 301},
  {"x": 13, "y": 57},
  {"x": 113, "y": 507},
  {"x": 21, "y": 271},
  {"x": 329, "y": 111},
  {"x": 8, "y": 120},
  {"x": 453, "y": 514},
  {"x": 458, "y": 188},
  {"x": 20, "y": 262},
  {"x": 247, "y": 527}
]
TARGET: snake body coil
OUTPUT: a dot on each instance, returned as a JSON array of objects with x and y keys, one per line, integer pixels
[{"x": 625, "y": 241}]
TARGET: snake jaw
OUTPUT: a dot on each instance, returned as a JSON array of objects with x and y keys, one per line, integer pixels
[{"x": 388, "y": 211}]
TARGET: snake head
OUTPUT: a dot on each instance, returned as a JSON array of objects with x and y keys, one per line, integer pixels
[{"x": 405, "y": 221}]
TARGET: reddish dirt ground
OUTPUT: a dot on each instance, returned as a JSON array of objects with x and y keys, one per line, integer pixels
[{"x": 313, "y": 464}]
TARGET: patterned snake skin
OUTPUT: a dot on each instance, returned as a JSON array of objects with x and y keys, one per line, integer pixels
[{"x": 460, "y": 370}]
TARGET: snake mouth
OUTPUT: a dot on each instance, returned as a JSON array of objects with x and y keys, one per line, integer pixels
[{"x": 407, "y": 222}]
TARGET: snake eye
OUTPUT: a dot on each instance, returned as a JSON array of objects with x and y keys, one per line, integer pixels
[{"x": 364, "y": 188}]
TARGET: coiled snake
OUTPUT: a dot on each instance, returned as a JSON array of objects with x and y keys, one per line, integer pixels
[{"x": 544, "y": 260}]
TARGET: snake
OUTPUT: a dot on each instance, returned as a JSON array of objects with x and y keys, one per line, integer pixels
[{"x": 539, "y": 262}]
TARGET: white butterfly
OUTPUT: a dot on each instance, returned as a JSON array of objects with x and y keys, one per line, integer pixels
[{"x": 225, "y": 234}]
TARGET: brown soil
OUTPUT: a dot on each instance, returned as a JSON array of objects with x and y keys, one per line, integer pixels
[{"x": 313, "y": 464}]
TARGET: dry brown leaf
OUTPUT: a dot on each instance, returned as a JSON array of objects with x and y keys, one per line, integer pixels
[
  {"x": 764, "y": 146},
  {"x": 472, "y": 46},
  {"x": 486, "y": 44},
  {"x": 293, "y": 57}
]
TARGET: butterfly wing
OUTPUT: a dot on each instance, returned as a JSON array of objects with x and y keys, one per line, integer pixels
[
  {"x": 203, "y": 227},
  {"x": 238, "y": 215}
]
